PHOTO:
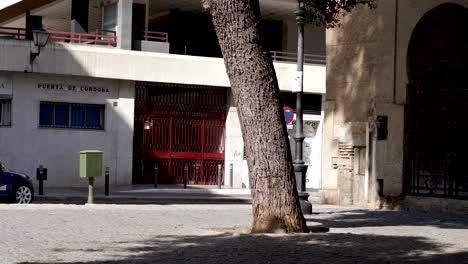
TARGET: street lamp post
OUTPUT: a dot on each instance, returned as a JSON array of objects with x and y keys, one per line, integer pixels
[{"x": 300, "y": 168}]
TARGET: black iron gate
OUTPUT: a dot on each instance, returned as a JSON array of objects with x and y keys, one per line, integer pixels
[
  {"x": 437, "y": 137},
  {"x": 436, "y": 125}
]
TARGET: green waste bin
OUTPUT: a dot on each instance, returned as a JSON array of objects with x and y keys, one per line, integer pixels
[{"x": 91, "y": 167}]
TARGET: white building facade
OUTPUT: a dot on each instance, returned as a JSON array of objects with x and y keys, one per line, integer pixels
[{"x": 133, "y": 79}]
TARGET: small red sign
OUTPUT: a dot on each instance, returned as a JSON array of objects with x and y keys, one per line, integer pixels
[{"x": 288, "y": 115}]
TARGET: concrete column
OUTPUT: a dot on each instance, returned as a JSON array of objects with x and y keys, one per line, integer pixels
[{"x": 124, "y": 24}]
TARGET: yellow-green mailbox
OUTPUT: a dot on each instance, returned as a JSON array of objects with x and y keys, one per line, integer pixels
[
  {"x": 91, "y": 163},
  {"x": 91, "y": 167}
]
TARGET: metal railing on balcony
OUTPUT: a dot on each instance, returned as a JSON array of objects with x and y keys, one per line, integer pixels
[
  {"x": 156, "y": 36},
  {"x": 83, "y": 38},
  {"x": 108, "y": 38},
  {"x": 281, "y": 56},
  {"x": 11, "y": 32}
]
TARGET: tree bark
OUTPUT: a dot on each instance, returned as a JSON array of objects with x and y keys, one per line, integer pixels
[{"x": 275, "y": 202}]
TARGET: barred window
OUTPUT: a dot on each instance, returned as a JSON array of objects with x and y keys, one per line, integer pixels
[
  {"x": 69, "y": 115},
  {"x": 5, "y": 112}
]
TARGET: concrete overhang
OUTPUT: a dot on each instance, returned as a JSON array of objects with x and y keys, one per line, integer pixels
[{"x": 112, "y": 63}]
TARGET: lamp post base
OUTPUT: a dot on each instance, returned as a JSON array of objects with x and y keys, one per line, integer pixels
[
  {"x": 90, "y": 190},
  {"x": 306, "y": 206}
]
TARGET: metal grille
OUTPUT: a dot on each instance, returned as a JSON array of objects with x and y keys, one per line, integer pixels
[
  {"x": 177, "y": 125},
  {"x": 165, "y": 96},
  {"x": 214, "y": 136},
  {"x": 187, "y": 135},
  {"x": 437, "y": 129},
  {"x": 436, "y": 125},
  {"x": 210, "y": 172},
  {"x": 157, "y": 136}
]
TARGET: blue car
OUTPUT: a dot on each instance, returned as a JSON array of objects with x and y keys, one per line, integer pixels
[{"x": 15, "y": 187}]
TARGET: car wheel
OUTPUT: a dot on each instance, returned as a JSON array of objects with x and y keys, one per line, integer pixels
[{"x": 23, "y": 195}]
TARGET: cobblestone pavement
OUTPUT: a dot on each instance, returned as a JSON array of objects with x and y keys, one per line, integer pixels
[{"x": 117, "y": 234}]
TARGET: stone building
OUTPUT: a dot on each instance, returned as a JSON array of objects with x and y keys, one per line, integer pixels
[{"x": 396, "y": 105}]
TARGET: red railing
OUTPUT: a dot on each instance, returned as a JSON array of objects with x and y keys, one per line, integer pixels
[
  {"x": 11, "y": 32},
  {"x": 83, "y": 38},
  {"x": 101, "y": 37},
  {"x": 282, "y": 56},
  {"x": 156, "y": 36}
]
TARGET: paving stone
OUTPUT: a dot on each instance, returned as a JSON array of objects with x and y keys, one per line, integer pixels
[{"x": 207, "y": 233}]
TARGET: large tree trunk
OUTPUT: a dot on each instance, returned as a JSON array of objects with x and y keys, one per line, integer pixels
[{"x": 255, "y": 89}]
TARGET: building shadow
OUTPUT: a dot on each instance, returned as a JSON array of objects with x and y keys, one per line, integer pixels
[
  {"x": 367, "y": 218},
  {"x": 298, "y": 248}
]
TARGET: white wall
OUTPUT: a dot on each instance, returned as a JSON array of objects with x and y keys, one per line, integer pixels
[
  {"x": 234, "y": 152},
  {"x": 24, "y": 145},
  {"x": 312, "y": 148}
]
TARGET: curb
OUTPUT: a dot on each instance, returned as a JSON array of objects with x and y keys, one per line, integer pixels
[{"x": 141, "y": 200}]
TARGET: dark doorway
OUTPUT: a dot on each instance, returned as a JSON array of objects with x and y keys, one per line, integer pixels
[
  {"x": 32, "y": 23},
  {"x": 436, "y": 125},
  {"x": 138, "y": 21}
]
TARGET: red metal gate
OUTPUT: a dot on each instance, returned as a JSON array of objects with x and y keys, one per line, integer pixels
[
  {"x": 178, "y": 125},
  {"x": 178, "y": 139}
]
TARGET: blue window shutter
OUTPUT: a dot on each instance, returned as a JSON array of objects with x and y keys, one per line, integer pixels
[
  {"x": 93, "y": 117},
  {"x": 46, "y": 115},
  {"x": 78, "y": 116}
]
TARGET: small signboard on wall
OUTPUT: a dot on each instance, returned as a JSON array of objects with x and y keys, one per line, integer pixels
[
  {"x": 297, "y": 80},
  {"x": 6, "y": 87}
]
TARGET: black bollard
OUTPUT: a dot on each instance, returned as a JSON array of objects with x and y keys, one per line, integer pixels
[
  {"x": 41, "y": 187},
  {"x": 220, "y": 172},
  {"x": 41, "y": 176},
  {"x": 106, "y": 186},
  {"x": 156, "y": 172},
  {"x": 185, "y": 175}
]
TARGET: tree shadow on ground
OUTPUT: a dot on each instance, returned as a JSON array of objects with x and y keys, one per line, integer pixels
[
  {"x": 368, "y": 218},
  {"x": 298, "y": 248}
]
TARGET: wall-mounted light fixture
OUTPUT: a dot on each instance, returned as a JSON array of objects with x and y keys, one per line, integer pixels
[
  {"x": 148, "y": 124},
  {"x": 40, "y": 39}
]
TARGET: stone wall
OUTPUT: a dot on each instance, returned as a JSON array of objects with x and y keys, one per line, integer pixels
[{"x": 366, "y": 78}]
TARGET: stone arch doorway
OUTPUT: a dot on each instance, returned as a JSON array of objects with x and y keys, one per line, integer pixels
[{"x": 436, "y": 125}]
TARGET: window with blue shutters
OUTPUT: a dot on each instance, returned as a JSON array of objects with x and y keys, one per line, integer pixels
[
  {"x": 5, "y": 112},
  {"x": 70, "y": 115}
]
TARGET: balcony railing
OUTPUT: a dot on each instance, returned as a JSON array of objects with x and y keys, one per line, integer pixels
[
  {"x": 108, "y": 38},
  {"x": 156, "y": 36},
  {"x": 281, "y": 56},
  {"x": 10, "y": 32},
  {"x": 83, "y": 38}
]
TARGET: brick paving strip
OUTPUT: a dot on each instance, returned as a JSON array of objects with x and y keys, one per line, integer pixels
[{"x": 208, "y": 233}]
